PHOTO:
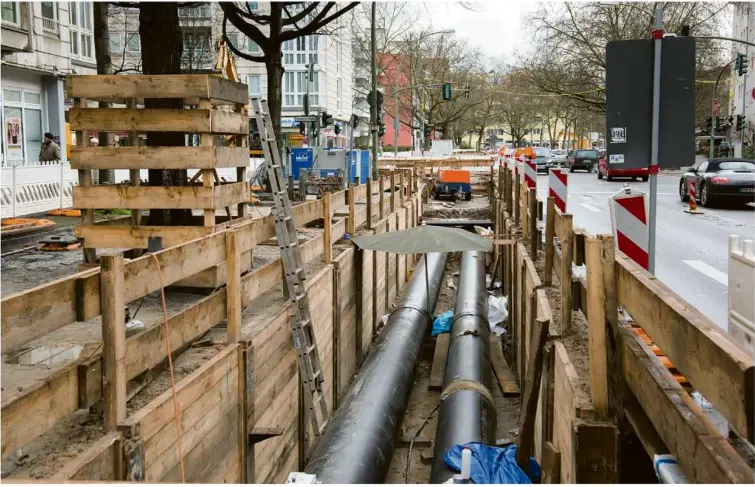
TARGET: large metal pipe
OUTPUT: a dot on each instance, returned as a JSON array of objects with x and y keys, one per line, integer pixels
[
  {"x": 358, "y": 445},
  {"x": 467, "y": 413}
]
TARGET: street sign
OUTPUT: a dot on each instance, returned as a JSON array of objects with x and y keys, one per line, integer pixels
[
  {"x": 306, "y": 118},
  {"x": 629, "y": 96}
]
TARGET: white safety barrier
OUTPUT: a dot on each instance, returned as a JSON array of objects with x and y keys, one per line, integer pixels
[
  {"x": 741, "y": 292},
  {"x": 25, "y": 190},
  {"x": 530, "y": 172},
  {"x": 558, "y": 188},
  {"x": 629, "y": 222}
]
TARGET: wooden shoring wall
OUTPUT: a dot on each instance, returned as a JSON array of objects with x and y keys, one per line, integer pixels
[
  {"x": 251, "y": 386},
  {"x": 581, "y": 430}
]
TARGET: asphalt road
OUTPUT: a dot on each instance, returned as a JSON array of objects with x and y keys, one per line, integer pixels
[{"x": 692, "y": 250}]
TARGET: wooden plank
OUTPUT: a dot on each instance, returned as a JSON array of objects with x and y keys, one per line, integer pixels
[
  {"x": 718, "y": 368},
  {"x": 326, "y": 214},
  {"x": 551, "y": 464},
  {"x": 549, "y": 230},
  {"x": 438, "y": 368},
  {"x": 643, "y": 428},
  {"x": 532, "y": 220},
  {"x": 225, "y": 195},
  {"x": 140, "y": 197},
  {"x": 113, "y": 339},
  {"x": 351, "y": 225},
  {"x": 579, "y": 246},
  {"x": 596, "y": 456},
  {"x": 30, "y": 414},
  {"x": 506, "y": 379},
  {"x": 95, "y": 463},
  {"x": 596, "y": 326},
  {"x": 116, "y": 236},
  {"x": 158, "y": 120},
  {"x": 142, "y": 157},
  {"x": 531, "y": 393},
  {"x": 703, "y": 454},
  {"x": 233, "y": 287},
  {"x": 104, "y": 87},
  {"x": 566, "y": 276}
]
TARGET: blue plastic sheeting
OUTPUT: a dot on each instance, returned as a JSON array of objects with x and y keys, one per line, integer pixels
[
  {"x": 492, "y": 465},
  {"x": 442, "y": 324}
]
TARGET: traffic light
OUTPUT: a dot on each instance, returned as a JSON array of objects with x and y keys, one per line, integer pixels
[
  {"x": 337, "y": 129},
  {"x": 740, "y": 122},
  {"x": 466, "y": 91},
  {"x": 381, "y": 129},
  {"x": 740, "y": 64},
  {"x": 327, "y": 119},
  {"x": 306, "y": 104},
  {"x": 427, "y": 130},
  {"x": 717, "y": 123},
  {"x": 446, "y": 91},
  {"x": 709, "y": 124},
  {"x": 377, "y": 97},
  {"x": 302, "y": 127}
]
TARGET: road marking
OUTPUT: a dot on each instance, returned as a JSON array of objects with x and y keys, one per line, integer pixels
[
  {"x": 590, "y": 207},
  {"x": 709, "y": 271}
]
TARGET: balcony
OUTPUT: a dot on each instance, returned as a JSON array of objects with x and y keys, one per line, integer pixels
[{"x": 50, "y": 25}]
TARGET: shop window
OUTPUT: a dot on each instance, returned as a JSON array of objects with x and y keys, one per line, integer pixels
[{"x": 22, "y": 126}]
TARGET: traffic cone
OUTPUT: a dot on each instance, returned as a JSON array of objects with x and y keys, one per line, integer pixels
[{"x": 692, "y": 199}]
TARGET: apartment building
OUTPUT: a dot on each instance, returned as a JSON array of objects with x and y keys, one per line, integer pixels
[
  {"x": 42, "y": 42},
  {"x": 742, "y": 94}
]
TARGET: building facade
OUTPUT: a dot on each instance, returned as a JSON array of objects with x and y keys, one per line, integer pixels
[
  {"x": 42, "y": 42},
  {"x": 742, "y": 94}
]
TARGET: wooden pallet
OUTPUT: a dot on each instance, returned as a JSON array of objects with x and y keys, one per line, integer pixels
[{"x": 214, "y": 108}]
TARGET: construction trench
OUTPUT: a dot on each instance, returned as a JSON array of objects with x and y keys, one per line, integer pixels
[
  {"x": 209, "y": 389},
  {"x": 385, "y": 379}
]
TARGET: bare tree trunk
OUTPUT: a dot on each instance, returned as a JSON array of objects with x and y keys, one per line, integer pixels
[
  {"x": 104, "y": 66},
  {"x": 274, "y": 94},
  {"x": 162, "y": 47}
]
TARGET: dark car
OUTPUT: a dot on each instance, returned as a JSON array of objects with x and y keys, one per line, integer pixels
[
  {"x": 542, "y": 159},
  {"x": 720, "y": 179},
  {"x": 586, "y": 159}
]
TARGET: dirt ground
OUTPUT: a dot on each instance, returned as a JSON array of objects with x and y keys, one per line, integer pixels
[{"x": 477, "y": 208}]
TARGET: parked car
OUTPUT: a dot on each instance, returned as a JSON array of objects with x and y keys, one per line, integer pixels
[
  {"x": 720, "y": 179},
  {"x": 542, "y": 159},
  {"x": 586, "y": 159},
  {"x": 605, "y": 169},
  {"x": 558, "y": 157}
]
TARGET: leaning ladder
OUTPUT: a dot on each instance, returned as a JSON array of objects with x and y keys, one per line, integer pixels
[{"x": 293, "y": 267}]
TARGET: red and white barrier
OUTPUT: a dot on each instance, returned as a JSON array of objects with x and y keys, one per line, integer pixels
[
  {"x": 558, "y": 188},
  {"x": 692, "y": 198},
  {"x": 530, "y": 172},
  {"x": 629, "y": 220}
]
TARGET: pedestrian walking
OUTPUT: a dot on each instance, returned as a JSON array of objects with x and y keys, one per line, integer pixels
[{"x": 50, "y": 151}]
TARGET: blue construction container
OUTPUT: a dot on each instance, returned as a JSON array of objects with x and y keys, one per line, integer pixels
[{"x": 301, "y": 159}]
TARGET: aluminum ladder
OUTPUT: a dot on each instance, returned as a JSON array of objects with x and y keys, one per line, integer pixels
[{"x": 305, "y": 344}]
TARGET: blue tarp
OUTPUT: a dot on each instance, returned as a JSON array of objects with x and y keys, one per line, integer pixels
[
  {"x": 442, "y": 324},
  {"x": 492, "y": 465}
]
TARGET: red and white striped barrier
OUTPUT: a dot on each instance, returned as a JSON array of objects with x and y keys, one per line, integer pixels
[
  {"x": 692, "y": 198},
  {"x": 558, "y": 183},
  {"x": 530, "y": 172},
  {"x": 629, "y": 220}
]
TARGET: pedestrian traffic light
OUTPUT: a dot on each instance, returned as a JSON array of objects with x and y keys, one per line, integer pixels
[
  {"x": 337, "y": 129},
  {"x": 302, "y": 127},
  {"x": 446, "y": 91},
  {"x": 327, "y": 119},
  {"x": 740, "y": 122},
  {"x": 717, "y": 123},
  {"x": 709, "y": 124},
  {"x": 381, "y": 129}
]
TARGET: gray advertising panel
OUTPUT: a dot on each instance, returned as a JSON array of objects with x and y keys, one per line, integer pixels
[{"x": 629, "y": 96}]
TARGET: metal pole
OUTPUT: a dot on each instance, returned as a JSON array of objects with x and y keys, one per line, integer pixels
[
  {"x": 395, "y": 110},
  {"x": 713, "y": 109},
  {"x": 744, "y": 87},
  {"x": 654, "y": 137},
  {"x": 373, "y": 109}
]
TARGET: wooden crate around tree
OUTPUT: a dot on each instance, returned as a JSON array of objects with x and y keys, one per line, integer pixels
[{"x": 214, "y": 108}]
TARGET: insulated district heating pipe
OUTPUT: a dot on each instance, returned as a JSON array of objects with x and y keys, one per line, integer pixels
[
  {"x": 358, "y": 444},
  {"x": 467, "y": 412}
]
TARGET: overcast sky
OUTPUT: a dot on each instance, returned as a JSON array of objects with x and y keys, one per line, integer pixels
[{"x": 497, "y": 27}]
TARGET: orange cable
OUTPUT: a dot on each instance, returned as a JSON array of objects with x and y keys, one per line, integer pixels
[{"x": 176, "y": 411}]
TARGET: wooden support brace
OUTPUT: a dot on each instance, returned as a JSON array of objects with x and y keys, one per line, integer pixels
[
  {"x": 369, "y": 202},
  {"x": 393, "y": 190},
  {"x": 112, "y": 291},
  {"x": 85, "y": 179},
  {"x": 532, "y": 220},
  {"x": 350, "y": 224},
  {"x": 596, "y": 327},
  {"x": 206, "y": 140},
  {"x": 438, "y": 368},
  {"x": 550, "y": 219},
  {"x": 233, "y": 286},
  {"x": 133, "y": 174},
  {"x": 327, "y": 227},
  {"x": 402, "y": 187},
  {"x": 241, "y": 177},
  {"x": 566, "y": 276},
  {"x": 551, "y": 464}
]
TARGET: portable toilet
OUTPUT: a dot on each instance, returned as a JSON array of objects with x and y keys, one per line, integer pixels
[{"x": 301, "y": 158}]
